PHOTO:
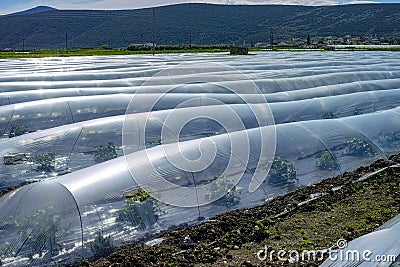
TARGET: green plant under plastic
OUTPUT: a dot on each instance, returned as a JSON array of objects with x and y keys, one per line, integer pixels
[
  {"x": 105, "y": 152},
  {"x": 326, "y": 161},
  {"x": 391, "y": 139},
  {"x": 45, "y": 161},
  {"x": 17, "y": 130},
  {"x": 359, "y": 147},
  {"x": 328, "y": 115},
  {"x": 101, "y": 246},
  {"x": 282, "y": 172},
  {"x": 43, "y": 233},
  {"x": 219, "y": 185},
  {"x": 139, "y": 210}
]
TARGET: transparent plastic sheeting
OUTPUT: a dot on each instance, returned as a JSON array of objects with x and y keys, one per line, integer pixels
[
  {"x": 70, "y": 217},
  {"x": 103, "y": 69},
  {"x": 45, "y": 114},
  {"x": 384, "y": 243},
  {"x": 75, "y": 146},
  {"x": 111, "y": 68},
  {"x": 277, "y": 95},
  {"x": 94, "y": 201},
  {"x": 269, "y": 84},
  {"x": 294, "y": 77},
  {"x": 52, "y": 219}
]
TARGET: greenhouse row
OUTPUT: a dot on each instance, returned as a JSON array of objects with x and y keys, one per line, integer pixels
[
  {"x": 76, "y": 145},
  {"x": 44, "y": 114},
  {"x": 110, "y": 152}
]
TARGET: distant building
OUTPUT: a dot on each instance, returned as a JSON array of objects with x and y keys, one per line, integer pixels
[
  {"x": 283, "y": 44},
  {"x": 142, "y": 45},
  {"x": 234, "y": 50},
  {"x": 261, "y": 44}
]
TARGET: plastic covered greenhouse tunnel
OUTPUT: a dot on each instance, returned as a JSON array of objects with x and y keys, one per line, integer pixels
[{"x": 131, "y": 147}]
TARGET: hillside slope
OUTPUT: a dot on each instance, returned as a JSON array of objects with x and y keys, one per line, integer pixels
[
  {"x": 34, "y": 10},
  {"x": 208, "y": 24}
]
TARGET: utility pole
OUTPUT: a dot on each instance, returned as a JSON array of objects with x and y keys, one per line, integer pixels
[
  {"x": 271, "y": 39},
  {"x": 190, "y": 43},
  {"x": 66, "y": 41},
  {"x": 23, "y": 44},
  {"x": 154, "y": 31}
]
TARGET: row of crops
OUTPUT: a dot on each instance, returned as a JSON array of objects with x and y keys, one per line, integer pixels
[{"x": 116, "y": 150}]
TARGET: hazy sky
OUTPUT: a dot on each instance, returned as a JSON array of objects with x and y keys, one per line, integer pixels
[{"x": 8, "y": 6}]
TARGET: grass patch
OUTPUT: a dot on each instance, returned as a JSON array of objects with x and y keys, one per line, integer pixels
[
  {"x": 100, "y": 52},
  {"x": 110, "y": 52}
]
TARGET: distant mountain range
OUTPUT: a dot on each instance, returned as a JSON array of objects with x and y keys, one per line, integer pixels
[
  {"x": 34, "y": 10},
  {"x": 45, "y": 27}
]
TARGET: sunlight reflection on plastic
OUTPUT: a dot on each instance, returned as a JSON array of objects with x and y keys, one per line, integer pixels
[
  {"x": 196, "y": 161},
  {"x": 207, "y": 147}
]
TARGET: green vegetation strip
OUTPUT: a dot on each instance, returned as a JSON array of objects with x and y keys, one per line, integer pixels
[
  {"x": 234, "y": 238},
  {"x": 100, "y": 52},
  {"x": 110, "y": 52}
]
